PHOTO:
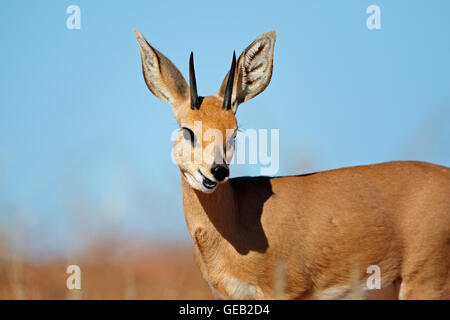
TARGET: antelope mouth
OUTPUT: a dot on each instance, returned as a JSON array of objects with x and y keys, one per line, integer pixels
[
  {"x": 199, "y": 181},
  {"x": 207, "y": 183}
]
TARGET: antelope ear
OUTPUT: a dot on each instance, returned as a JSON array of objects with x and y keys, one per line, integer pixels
[
  {"x": 161, "y": 76},
  {"x": 253, "y": 70}
]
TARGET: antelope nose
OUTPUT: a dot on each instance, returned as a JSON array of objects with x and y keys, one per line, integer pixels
[{"x": 220, "y": 172}]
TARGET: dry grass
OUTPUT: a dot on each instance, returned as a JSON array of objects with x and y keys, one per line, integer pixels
[{"x": 108, "y": 271}]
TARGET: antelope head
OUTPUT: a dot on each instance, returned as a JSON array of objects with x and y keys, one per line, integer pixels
[{"x": 207, "y": 125}]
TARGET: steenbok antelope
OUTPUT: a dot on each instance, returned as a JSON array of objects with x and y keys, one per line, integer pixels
[{"x": 326, "y": 228}]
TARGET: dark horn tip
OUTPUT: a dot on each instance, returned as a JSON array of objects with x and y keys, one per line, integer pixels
[
  {"x": 230, "y": 82},
  {"x": 195, "y": 99}
]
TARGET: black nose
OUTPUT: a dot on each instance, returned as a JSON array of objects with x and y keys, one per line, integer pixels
[{"x": 220, "y": 172}]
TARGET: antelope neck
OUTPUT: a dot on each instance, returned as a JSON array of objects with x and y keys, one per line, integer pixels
[{"x": 218, "y": 210}]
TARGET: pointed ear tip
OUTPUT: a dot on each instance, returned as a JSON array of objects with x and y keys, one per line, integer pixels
[
  {"x": 272, "y": 34},
  {"x": 137, "y": 33}
]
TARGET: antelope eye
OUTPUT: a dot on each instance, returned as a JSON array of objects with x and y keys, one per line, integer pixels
[
  {"x": 189, "y": 135},
  {"x": 232, "y": 140}
]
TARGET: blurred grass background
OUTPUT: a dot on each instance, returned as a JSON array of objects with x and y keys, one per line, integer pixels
[{"x": 110, "y": 269}]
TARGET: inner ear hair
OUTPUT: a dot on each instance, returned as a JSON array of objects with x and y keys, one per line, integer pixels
[
  {"x": 253, "y": 70},
  {"x": 162, "y": 77}
]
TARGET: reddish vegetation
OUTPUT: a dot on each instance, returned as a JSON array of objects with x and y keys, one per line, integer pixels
[{"x": 108, "y": 272}]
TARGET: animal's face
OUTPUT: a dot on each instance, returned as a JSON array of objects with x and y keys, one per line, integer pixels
[
  {"x": 205, "y": 143},
  {"x": 207, "y": 125}
]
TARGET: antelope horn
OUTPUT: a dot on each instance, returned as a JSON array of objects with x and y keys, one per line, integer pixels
[
  {"x": 195, "y": 101},
  {"x": 229, "y": 88}
]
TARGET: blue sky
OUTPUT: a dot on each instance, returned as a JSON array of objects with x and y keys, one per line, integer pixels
[{"x": 85, "y": 147}]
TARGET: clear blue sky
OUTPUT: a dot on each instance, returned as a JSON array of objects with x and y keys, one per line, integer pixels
[{"x": 85, "y": 147}]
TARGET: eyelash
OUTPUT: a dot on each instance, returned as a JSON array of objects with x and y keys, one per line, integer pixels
[
  {"x": 191, "y": 136},
  {"x": 232, "y": 141}
]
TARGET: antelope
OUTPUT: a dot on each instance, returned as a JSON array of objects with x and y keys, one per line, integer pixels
[{"x": 324, "y": 228}]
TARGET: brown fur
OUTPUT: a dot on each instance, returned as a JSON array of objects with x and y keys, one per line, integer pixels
[
  {"x": 395, "y": 215},
  {"x": 326, "y": 228}
]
